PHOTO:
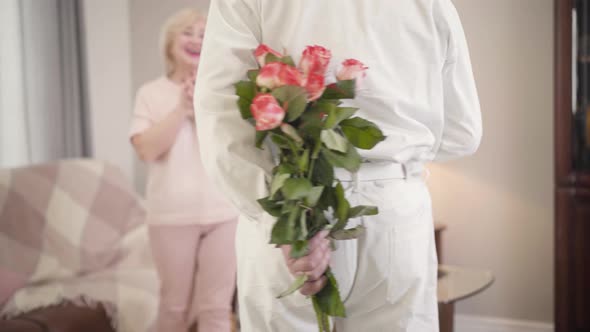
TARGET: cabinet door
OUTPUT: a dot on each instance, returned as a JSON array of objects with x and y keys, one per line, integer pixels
[
  {"x": 573, "y": 260},
  {"x": 572, "y": 92}
]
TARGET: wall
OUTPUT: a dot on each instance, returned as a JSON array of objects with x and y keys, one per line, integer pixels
[
  {"x": 499, "y": 204},
  {"x": 106, "y": 24},
  {"x": 147, "y": 17}
]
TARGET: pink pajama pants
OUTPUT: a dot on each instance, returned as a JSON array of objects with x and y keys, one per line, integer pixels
[{"x": 197, "y": 269}]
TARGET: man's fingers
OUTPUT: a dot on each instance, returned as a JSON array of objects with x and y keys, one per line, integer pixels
[
  {"x": 318, "y": 240},
  {"x": 314, "y": 264},
  {"x": 320, "y": 269},
  {"x": 308, "y": 263},
  {"x": 313, "y": 287}
]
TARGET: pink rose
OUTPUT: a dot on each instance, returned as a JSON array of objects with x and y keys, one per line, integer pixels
[
  {"x": 290, "y": 76},
  {"x": 267, "y": 112},
  {"x": 314, "y": 84},
  {"x": 277, "y": 74},
  {"x": 262, "y": 51},
  {"x": 315, "y": 59},
  {"x": 351, "y": 69}
]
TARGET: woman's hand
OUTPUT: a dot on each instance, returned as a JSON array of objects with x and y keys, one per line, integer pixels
[
  {"x": 313, "y": 265},
  {"x": 188, "y": 90},
  {"x": 155, "y": 141}
]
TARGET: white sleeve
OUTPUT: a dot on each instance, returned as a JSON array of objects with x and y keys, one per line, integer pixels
[
  {"x": 226, "y": 140},
  {"x": 462, "y": 129}
]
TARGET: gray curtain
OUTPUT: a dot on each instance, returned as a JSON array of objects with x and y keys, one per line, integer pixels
[{"x": 44, "y": 94}]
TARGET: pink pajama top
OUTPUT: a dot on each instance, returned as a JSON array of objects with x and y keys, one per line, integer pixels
[{"x": 178, "y": 191}]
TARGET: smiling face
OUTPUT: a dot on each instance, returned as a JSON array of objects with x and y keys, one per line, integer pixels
[
  {"x": 186, "y": 46},
  {"x": 181, "y": 39}
]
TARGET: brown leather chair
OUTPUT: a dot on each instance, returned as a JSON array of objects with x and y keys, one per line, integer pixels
[{"x": 62, "y": 318}]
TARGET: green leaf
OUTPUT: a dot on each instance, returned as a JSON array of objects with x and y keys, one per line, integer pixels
[
  {"x": 294, "y": 189},
  {"x": 288, "y": 207},
  {"x": 280, "y": 232},
  {"x": 328, "y": 199},
  {"x": 319, "y": 222},
  {"x": 246, "y": 92},
  {"x": 316, "y": 113},
  {"x": 350, "y": 160},
  {"x": 299, "y": 249},
  {"x": 283, "y": 231},
  {"x": 311, "y": 123},
  {"x": 340, "y": 90},
  {"x": 291, "y": 132},
  {"x": 271, "y": 58},
  {"x": 337, "y": 114},
  {"x": 284, "y": 168},
  {"x": 281, "y": 141},
  {"x": 363, "y": 210},
  {"x": 314, "y": 195},
  {"x": 328, "y": 299},
  {"x": 293, "y": 98},
  {"x": 260, "y": 137},
  {"x": 348, "y": 234},
  {"x": 244, "y": 106},
  {"x": 342, "y": 207},
  {"x": 334, "y": 141},
  {"x": 277, "y": 182},
  {"x": 362, "y": 133},
  {"x": 323, "y": 172},
  {"x": 325, "y": 106},
  {"x": 245, "y": 89},
  {"x": 253, "y": 74},
  {"x": 322, "y": 318},
  {"x": 310, "y": 131},
  {"x": 303, "y": 161},
  {"x": 270, "y": 206},
  {"x": 295, "y": 286},
  {"x": 288, "y": 61}
]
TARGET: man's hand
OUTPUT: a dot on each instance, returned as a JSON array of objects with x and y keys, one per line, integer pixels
[{"x": 313, "y": 265}]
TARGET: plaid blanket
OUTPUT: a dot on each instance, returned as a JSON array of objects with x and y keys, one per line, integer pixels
[{"x": 74, "y": 231}]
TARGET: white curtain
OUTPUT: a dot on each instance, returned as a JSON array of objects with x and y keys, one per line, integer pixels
[
  {"x": 42, "y": 99},
  {"x": 13, "y": 135}
]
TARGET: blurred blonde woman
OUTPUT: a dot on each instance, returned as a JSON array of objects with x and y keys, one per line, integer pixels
[{"x": 192, "y": 227}]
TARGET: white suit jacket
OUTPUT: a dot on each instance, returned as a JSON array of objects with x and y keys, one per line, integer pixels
[{"x": 419, "y": 87}]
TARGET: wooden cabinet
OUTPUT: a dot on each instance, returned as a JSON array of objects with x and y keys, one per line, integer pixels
[
  {"x": 573, "y": 260},
  {"x": 572, "y": 166}
]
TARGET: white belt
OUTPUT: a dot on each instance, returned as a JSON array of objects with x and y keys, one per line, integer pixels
[{"x": 372, "y": 171}]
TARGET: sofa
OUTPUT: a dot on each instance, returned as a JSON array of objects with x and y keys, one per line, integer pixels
[{"x": 74, "y": 250}]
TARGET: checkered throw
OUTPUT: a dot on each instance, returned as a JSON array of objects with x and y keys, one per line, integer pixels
[{"x": 74, "y": 231}]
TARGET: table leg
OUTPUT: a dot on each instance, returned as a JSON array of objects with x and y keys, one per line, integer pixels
[{"x": 446, "y": 314}]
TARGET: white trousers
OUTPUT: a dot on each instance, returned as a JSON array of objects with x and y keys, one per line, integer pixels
[{"x": 387, "y": 278}]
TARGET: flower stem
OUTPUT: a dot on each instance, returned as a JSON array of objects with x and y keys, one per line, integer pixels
[
  {"x": 314, "y": 156},
  {"x": 311, "y": 167}
]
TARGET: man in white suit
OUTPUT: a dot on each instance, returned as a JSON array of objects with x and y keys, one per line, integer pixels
[{"x": 419, "y": 89}]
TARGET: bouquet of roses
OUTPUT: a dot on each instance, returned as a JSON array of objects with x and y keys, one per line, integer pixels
[{"x": 294, "y": 109}]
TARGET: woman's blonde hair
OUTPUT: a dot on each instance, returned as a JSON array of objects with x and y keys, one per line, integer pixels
[{"x": 172, "y": 27}]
